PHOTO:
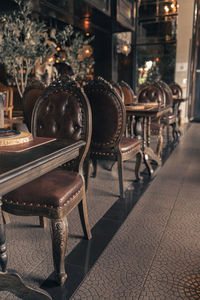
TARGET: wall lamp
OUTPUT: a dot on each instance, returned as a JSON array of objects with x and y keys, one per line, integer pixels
[{"x": 123, "y": 43}]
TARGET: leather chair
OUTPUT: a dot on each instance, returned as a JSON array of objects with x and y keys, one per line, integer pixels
[
  {"x": 129, "y": 99},
  {"x": 32, "y": 92},
  {"x": 177, "y": 95},
  {"x": 108, "y": 119},
  {"x": 176, "y": 90},
  {"x": 150, "y": 93},
  {"x": 62, "y": 111},
  {"x": 118, "y": 89},
  {"x": 171, "y": 119}
]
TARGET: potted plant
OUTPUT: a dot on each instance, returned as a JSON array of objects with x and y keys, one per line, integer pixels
[{"x": 23, "y": 42}]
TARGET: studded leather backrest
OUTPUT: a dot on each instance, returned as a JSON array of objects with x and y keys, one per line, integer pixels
[
  {"x": 151, "y": 93},
  {"x": 29, "y": 99},
  {"x": 167, "y": 91},
  {"x": 62, "y": 111},
  {"x": 128, "y": 93},
  {"x": 176, "y": 90},
  {"x": 108, "y": 114},
  {"x": 118, "y": 89}
]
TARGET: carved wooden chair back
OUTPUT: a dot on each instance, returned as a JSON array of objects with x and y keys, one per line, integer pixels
[
  {"x": 118, "y": 89},
  {"x": 62, "y": 111},
  {"x": 108, "y": 114},
  {"x": 176, "y": 90},
  {"x": 109, "y": 120},
  {"x": 128, "y": 93},
  {"x": 31, "y": 94},
  {"x": 151, "y": 93}
]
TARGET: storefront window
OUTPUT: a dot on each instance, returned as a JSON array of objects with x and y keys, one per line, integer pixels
[{"x": 156, "y": 40}]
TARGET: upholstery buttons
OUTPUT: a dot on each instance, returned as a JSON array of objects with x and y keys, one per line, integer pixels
[
  {"x": 76, "y": 127},
  {"x": 49, "y": 108}
]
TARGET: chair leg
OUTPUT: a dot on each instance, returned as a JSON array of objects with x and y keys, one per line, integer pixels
[
  {"x": 159, "y": 145},
  {"x": 59, "y": 235},
  {"x": 87, "y": 167},
  {"x": 82, "y": 207},
  {"x": 138, "y": 165},
  {"x": 120, "y": 175},
  {"x": 174, "y": 132}
]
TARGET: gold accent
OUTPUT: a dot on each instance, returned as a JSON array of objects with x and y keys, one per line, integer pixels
[{"x": 22, "y": 138}]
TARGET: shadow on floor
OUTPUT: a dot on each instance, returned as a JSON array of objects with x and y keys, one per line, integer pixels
[{"x": 83, "y": 257}]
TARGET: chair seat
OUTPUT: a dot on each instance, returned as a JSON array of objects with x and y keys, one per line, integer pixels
[
  {"x": 129, "y": 144},
  {"x": 171, "y": 118},
  {"x": 58, "y": 189}
]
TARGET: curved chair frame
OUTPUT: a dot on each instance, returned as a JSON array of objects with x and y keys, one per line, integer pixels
[
  {"x": 21, "y": 202},
  {"x": 31, "y": 94},
  {"x": 111, "y": 149}
]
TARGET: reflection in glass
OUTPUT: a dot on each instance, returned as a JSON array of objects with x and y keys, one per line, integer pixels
[{"x": 156, "y": 40}]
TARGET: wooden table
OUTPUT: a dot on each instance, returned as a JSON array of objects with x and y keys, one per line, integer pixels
[
  {"x": 146, "y": 113},
  {"x": 16, "y": 169}
]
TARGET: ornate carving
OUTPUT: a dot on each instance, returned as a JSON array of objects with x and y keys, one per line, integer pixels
[{"x": 59, "y": 233}]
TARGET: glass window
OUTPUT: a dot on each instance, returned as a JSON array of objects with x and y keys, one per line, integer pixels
[{"x": 156, "y": 40}]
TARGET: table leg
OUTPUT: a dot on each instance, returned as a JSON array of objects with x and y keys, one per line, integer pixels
[
  {"x": 145, "y": 148},
  {"x": 149, "y": 150},
  {"x": 138, "y": 131}
]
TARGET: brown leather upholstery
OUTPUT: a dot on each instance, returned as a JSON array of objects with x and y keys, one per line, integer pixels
[
  {"x": 155, "y": 91},
  {"x": 127, "y": 144},
  {"x": 176, "y": 90},
  {"x": 151, "y": 93},
  {"x": 108, "y": 124},
  {"x": 108, "y": 114},
  {"x": 118, "y": 89},
  {"x": 129, "y": 99},
  {"x": 31, "y": 94},
  {"x": 62, "y": 111},
  {"x": 61, "y": 116},
  {"x": 128, "y": 93},
  {"x": 171, "y": 119},
  {"x": 167, "y": 91},
  {"x": 55, "y": 200}
]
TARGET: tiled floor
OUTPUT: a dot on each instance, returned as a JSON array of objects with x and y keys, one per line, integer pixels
[{"x": 144, "y": 247}]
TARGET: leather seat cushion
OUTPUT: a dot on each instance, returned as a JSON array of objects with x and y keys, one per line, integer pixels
[
  {"x": 171, "y": 118},
  {"x": 54, "y": 190},
  {"x": 129, "y": 144}
]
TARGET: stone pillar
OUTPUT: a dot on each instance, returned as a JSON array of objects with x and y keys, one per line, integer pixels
[{"x": 184, "y": 38}]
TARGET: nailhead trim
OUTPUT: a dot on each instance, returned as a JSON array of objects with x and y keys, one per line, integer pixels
[
  {"x": 102, "y": 153},
  {"x": 45, "y": 205}
]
